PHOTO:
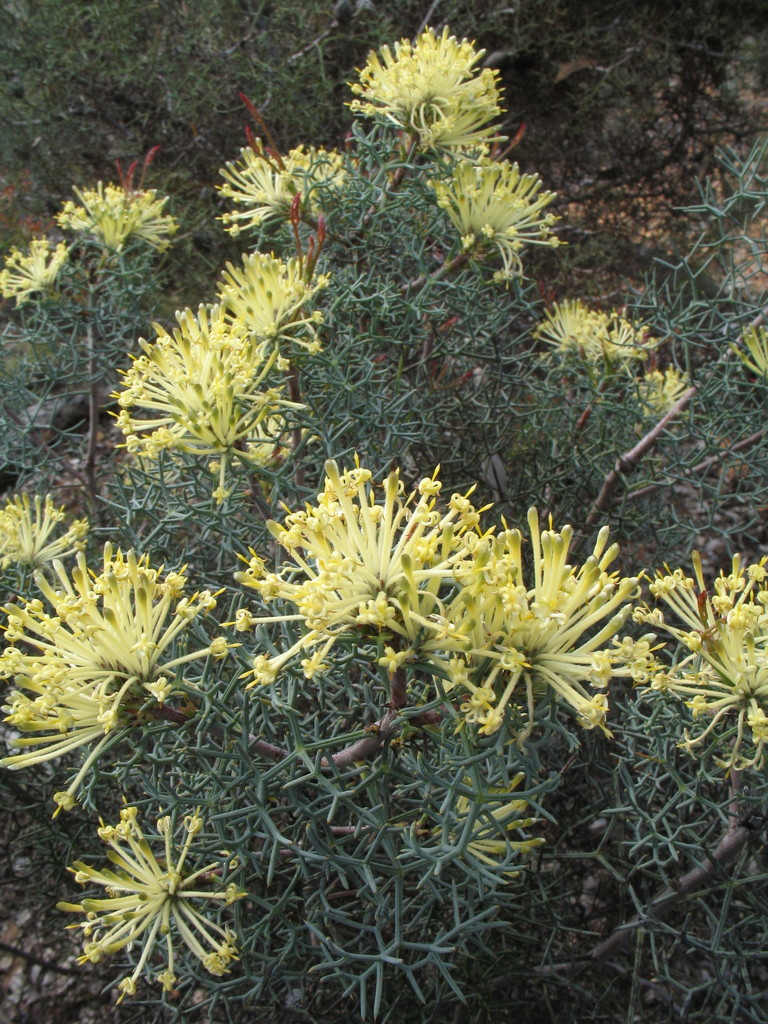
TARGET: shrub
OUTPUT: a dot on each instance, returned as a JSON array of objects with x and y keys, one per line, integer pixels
[{"x": 419, "y": 738}]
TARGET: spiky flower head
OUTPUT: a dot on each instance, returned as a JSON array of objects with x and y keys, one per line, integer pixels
[
  {"x": 722, "y": 675},
  {"x": 269, "y": 299},
  {"x": 94, "y": 659},
  {"x": 547, "y": 631},
  {"x": 494, "y": 206},
  {"x": 37, "y": 270},
  {"x": 26, "y": 534},
  {"x": 150, "y": 899},
  {"x": 658, "y": 392},
  {"x": 756, "y": 340},
  {"x": 112, "y": 215},
  {"x": 572, "y": 327},
  {"x": 431, "y": 89},
  {"x": 263, "y": 190},
  {"x": 203, "y": 389},
  {"x": 364, "y": 568}
]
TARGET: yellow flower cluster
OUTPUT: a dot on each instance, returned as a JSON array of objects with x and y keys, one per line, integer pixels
[
  {"x": 434, "y": 589},
  {"x": 112, "y": 215},
  {"x": 268, "y": 299},
  {"x": 149, "y": 899},
  {"x": 367, "y": 568},
  {"x": 97, "y": 656},
  {"x": 25, "y": 535},
  {"x": 432, "y": 90},
  {"x": 658, "y": 391},
  {"x": 33, "y": 271},
  {"x": 551, "y": 631},
  {"x": 573, "y": 327},
  {"x": 202, "y": 389},
  {"x": 494, "y": 206},
  {"x": 723, "y": 677},
  {"x": 263, "y": 189}
]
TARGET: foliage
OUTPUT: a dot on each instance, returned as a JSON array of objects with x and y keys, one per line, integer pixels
[
  {"x": 429, "y": 757},
  {"x": 623, "y": 103}
]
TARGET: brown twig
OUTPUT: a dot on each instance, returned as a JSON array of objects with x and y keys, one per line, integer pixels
[
  {"x": 627, "y": 462},
  {"x": 365, "y": 747},
  {"x": 268, "y": 749},
  {"x": 418, "y": 282},
  {"x": 732, "y": 843},
  {"x": 706, "y": 464},
  {"x": 376, "y": 736},
  {"x": 700, "y": 467}
]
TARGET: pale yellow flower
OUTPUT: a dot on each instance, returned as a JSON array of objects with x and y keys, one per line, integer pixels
[
  {"x": 550, "y": 628},
  {"x": 722, "y": 632},
  {"x": 25, "y": 274},
  {"x": 204, "y": 389},
  {"x": 268, "y": 298},
  {"x": 481, "y": 825},
  {"x": 263, "y": 191},
  {"x": 431, "y": 89},
  {"x": 25, "y": 535},
  {"x": 494, "y": 206},
  {"x": 149, "y": 900},
  {"x": 112, "y": 215},
  {"x": 489, "y": 840},
  {"x": 756, "y": 340},
  {"x": 659, "y": 392},
  {"x": 572, "y": 327},
  {"x": 364, "y": 568},
  {"x": 96, "y": 658}
]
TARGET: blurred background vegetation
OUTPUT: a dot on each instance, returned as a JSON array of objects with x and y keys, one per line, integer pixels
[{"x": 623, "y": 105}]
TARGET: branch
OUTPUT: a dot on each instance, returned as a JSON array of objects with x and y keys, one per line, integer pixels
[
  {"x": 376, "y": 736},
  {"x": 427, "y": 17},
  {"x": 701, "y": 467},
  {"x": 627, "y": 462},
  {"x": 706, "y": 464},
  {"x": 368, "y": 745},
  {"x": 418, "y": 282},
  {"x": 728, "y": 848},
  {"x": 734, "y": 840}
]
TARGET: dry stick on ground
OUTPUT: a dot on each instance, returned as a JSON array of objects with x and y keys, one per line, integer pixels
[
  {"x": 627, "y": 462},
  {"x": 38, "y": 961}
]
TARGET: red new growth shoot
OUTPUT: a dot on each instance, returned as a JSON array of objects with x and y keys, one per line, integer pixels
[
  {"x": 126, "y": 179},
  {"x": 256, "y": 115},
  {"x": 295, "y": 218}
]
